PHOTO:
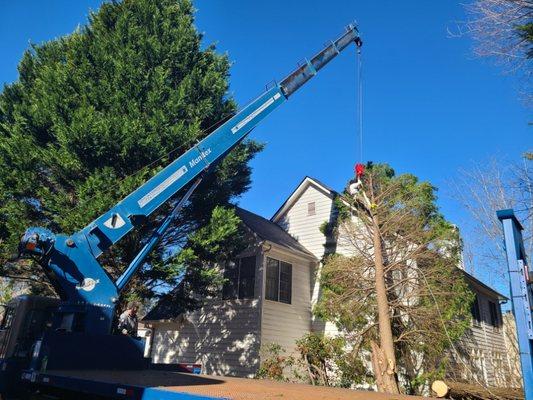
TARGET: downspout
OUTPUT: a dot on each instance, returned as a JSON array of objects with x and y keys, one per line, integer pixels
[{"x": 263, "y": 251}]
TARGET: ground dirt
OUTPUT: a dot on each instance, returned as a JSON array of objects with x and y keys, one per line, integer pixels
[{"x": 225, "y": 387}]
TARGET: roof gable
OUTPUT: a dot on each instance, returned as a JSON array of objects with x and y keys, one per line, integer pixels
[{"x": 300, "y": 189}]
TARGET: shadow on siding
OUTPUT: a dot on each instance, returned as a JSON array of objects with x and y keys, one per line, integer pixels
[{"x": 223, "y": 336}]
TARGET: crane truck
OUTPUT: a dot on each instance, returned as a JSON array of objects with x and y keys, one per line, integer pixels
[{"x": 65, "y": 346}]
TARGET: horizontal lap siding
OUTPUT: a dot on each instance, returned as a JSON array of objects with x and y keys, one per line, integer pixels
[
  {"x": 284, "y": 323},
  {"x": 306, "y": 229},
  {"x": 493, "y": 336},
  {"x": 485, "y": 346},
  {"x": 223, "y": 336}
]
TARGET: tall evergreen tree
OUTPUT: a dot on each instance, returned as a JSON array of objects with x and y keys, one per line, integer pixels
[{"x": 96, "y": 113}]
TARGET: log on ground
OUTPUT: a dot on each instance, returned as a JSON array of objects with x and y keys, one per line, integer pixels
[{"x": 470, "y": 391}]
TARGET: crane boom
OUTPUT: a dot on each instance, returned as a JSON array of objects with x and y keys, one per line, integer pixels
[
  {"x": 117, "y": 222},
  {"x": 71, "y": 262},
  {"x": 110, "y": 227}
]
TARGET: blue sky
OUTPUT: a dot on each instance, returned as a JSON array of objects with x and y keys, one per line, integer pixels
[{"x": 431, "y": 108}]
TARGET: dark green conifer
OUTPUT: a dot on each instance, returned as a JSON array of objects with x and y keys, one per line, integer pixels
[{"x": 97, "y": 112}]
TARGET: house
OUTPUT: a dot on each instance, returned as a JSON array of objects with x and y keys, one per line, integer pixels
[
  {"x": 267, "y": 299},
  {"x": 272, "y": 289},
  {"x": 486, "y": 349},
  {"x": 488, "y": 352}
]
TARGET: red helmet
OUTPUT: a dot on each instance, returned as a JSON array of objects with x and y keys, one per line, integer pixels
[{"x": 359, "y": 170}]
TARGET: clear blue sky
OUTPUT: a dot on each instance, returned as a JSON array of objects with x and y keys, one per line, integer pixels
[{"x": 431, "y": 108}]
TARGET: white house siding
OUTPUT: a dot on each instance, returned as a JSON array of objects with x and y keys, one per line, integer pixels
[
  {"x": 490, "y": 339},
  {"x": 306, "y": 229},
  {"x": 223, "y": 336},
  {"x": 226, "y": 336},
  {"x": 345, "y": 237},
  {"x": 512, "y": 350},
  {"x": 284, "y": 323},
  {"x": 482, "y": 351}
]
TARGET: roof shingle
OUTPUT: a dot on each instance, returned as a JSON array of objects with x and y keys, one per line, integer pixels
[{"x": 268, "y": 230}]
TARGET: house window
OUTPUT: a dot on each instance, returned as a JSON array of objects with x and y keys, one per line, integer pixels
[
  {"x": 247, "y": 278},
  {"x": 476, "y": 314},
  {"x": 272, "y": 279},
  {"x": 7, "y": 318},
  {"x": 493, "y": 310},
  {"x": 278, "y": 281},
  {"x": 311, "y": 208},
  {"x": 240, "y": 279}
]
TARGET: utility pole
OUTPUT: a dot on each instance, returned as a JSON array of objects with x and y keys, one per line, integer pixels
[{"x": 520, "y": 278}]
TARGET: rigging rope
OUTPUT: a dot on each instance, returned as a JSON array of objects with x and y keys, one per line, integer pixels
[{"x": 360, "y": 101}]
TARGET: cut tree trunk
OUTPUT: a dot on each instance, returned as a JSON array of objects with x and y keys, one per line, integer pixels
[
  {"x": 385, "y": 380},
  {"x": 385, "y": 358},
  {"x": 460, "y": 390}
]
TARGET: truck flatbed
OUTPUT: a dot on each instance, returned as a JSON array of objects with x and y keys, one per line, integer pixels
[{"x": 154, "y": 384}]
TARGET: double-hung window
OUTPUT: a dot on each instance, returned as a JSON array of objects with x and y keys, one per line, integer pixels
[
  {"x": 278, "y": 281},
  {"x": 494, "y": 317},
  {"x": 240, "y": 279},
  {"x": 476, "y": 314}
]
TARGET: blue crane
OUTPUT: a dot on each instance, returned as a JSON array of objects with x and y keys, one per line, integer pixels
[
  {"x": 71, "y": 262},
  {"x": 83, "y": 318}
]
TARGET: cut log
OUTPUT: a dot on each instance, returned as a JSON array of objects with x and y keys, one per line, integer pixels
[
  {"x": 469, "y": 391},
  {"x": 440, "y": 388}
]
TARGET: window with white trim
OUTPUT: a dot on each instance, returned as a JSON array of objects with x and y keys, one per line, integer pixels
[
  {"x": 278, "y": 285},
  {"x": 311, "y": 208}
]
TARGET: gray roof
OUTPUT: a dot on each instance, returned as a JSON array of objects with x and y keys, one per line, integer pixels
[
  {"x": 167, "y": 308},
  {"x": 270, "y": 231},
  {"x": 473, "y": 281}
]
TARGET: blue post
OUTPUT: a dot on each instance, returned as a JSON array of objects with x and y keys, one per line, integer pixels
[{"x": 521, "y": 294}]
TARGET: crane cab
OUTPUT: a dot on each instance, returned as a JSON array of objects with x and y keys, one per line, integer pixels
[{"x": 25, "y": 320}]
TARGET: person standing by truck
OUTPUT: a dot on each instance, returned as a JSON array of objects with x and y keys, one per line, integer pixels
[{"x": 128, "y": 321}]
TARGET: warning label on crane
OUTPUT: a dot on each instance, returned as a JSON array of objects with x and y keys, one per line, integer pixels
[
  {"x": 245, "y": 121},
  {"x": 162, "y": 186}
]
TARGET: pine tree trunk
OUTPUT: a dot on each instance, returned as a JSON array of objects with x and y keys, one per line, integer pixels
[{"x": 383, "y": 357}]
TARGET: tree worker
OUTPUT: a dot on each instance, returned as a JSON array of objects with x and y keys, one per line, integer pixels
[{"x": 127, "y": 322}]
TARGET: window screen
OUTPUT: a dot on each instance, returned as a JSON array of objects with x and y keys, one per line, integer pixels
[
  {"x": 494, "y": 321},
  {"x": 272, "y": 279},
  {"x": 285, "y": 283},
  {"x": 247, "y": 278},
  {"x": 231, "y": 285},
  {"x": 311, "y": 208},
  {"x": 278, "y": 281},
  {"x": 240, "y": 279},
  {"x": 475, "y": 311}
]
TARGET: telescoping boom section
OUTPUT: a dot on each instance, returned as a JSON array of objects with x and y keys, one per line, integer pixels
[{"x": 71, "y": 261}]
